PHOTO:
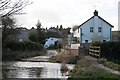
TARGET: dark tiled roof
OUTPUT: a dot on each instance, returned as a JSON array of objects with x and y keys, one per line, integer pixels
[
  {"x": 85, "y": 21},
  {"x": 106, "y": 21}
]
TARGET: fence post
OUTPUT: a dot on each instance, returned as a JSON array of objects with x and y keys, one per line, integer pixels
[
  {"x": 95, "y": 51},
  {"x": 99, "y": 52},
  {"x": 81, "y": 51}
]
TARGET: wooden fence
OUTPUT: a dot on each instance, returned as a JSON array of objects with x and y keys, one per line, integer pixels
[{"x": 95, "y": 51}]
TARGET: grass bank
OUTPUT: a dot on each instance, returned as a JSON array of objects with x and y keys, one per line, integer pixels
[
  {"x": 110, "y": 64},
  {"x": 8, "y": 55},
  {"x": 86, "y": 70},
  {"x": 64, "y": 56}
]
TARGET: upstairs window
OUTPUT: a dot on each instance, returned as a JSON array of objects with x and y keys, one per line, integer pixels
[
  {"x": 99, "y": 29},
  {"x": 91, "y": 29}
]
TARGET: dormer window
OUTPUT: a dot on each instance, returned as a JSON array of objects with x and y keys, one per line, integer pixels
[{"x": 91, "y": 29}]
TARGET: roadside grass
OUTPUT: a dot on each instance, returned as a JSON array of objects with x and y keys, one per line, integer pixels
[
  {"x": 85, "y": 70},
  {"x": 64, "y": 56},
  {"x": 110, "y": 64},
  {"x": 8, "y": 55}
]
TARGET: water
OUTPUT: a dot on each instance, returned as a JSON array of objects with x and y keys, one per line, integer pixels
[{"x": 36, "y": 70}]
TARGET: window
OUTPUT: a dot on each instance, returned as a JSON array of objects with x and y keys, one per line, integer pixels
[
  {"x": 104, "y": 40},
  {"x": 52, "y": 39},
  {"x": 86, "y": 41},
  {"x": 91, "y": 29},
  {"x": 99, "y": 29}
]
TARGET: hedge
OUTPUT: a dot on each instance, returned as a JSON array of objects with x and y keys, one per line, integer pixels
[
  {"x": 109, "y": 50},
  {"x": 22, "y": 46}
]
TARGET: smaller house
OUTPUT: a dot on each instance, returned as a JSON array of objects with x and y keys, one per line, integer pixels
[{"x": 22, "y": 35}]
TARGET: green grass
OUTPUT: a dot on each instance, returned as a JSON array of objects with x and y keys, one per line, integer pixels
[
  {"x": 110, "y": 64},
  {"x": 8, "y": 55},
  {"x": 85, "y": 70}
]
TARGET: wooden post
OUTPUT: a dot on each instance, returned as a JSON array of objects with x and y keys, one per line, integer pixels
[{"x": 99, "y": 52}]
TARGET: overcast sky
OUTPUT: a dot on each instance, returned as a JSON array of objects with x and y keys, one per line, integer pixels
[{"x": 68, "y": 12}]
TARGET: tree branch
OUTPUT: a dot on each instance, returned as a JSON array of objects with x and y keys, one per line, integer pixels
[{"x": 7, "y": 8}]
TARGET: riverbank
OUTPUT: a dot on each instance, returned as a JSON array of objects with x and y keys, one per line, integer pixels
[
  {"x": 8, "y": 55},
  {"x": 110, "y": 64},
  {"x": 42, "y": 58},
  {"x": 89, "y": 69},
  {"x": 64, "y": 56},
  {"x": 36, "y": 68}
]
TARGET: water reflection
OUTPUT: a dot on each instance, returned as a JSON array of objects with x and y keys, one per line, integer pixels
[
  {"x": 21, "y": 72},
  {"x": 33, "y": 70}
]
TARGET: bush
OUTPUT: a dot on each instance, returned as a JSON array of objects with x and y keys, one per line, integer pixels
[
  {"x": 22, "y": 46},
  {"x": 64, "y": 56},
  {"x": 38, "y": 36},
  {"x": 8, "y": 55},
  {"x": 109, "y": 64},
  {"x": 57, "y": 45},
  {"x": 110, "y": 51},
  {"x": 96, "y": 44}
]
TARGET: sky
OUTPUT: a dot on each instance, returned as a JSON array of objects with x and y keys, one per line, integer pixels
[{"x": 68, "y": 12}]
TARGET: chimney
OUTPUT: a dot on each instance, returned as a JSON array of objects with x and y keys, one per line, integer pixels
[{"x": 95, "y": 13}]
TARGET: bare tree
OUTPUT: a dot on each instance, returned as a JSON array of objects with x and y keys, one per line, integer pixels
[
  {"x": 12, "y": 7},
  {"x": 97, "y": 38},
  {"x": 74, "y": 27}
]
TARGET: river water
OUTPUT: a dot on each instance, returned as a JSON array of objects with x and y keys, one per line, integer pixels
[{"x": 33, "y": 70}]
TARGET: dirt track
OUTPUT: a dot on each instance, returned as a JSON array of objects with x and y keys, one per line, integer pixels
[{"x": 95, "y": 63}]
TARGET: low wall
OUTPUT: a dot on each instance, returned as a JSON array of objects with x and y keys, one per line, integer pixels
[
  {"x": 74, "y": 52},
  {"x": 74, "y": 49}
]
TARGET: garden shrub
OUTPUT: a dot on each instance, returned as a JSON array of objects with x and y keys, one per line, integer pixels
[
  {"x": 110, "y": 50},
  {"x": 22, "y": 46}
]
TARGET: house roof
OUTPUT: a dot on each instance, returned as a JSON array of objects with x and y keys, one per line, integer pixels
[{"x": 98, "y": 17}]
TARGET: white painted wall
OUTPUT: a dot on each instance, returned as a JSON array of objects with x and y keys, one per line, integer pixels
[
  {"x": 95, "y": 22},
  {"x": 75, "y": 46},
  {"x": 76, "y": 33}
]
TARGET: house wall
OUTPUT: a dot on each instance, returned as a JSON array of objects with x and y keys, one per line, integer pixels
[
  {"x": 85, "y": 31},
  {"x": 95, "y": 22}
]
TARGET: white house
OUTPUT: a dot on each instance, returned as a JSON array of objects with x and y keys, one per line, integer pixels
[{"x": 94, "y": 29}]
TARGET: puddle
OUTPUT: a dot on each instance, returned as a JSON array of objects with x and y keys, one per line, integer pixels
[{"x": 33, "y": 70}]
